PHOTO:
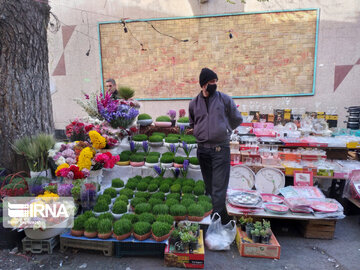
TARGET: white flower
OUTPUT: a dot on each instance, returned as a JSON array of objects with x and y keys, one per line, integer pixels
[
  {"x": 61, "y": 160},
  {"x": 52, "y": 153},
  {"x": 40, "y": 224},
  {"x": 57, "y": 146}
]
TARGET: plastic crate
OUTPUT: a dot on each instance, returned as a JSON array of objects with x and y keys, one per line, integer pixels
[
  {"x": 107, "y": 247},
  {"x": 139, "y": 249},
  {"x": 38, "y": 246}
]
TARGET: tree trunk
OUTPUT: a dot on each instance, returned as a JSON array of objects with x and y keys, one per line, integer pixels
[{"x": 25, "y": 100}]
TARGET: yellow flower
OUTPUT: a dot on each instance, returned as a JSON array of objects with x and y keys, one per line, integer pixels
[
  {"x": 48, "y": 196},
  {"x": 62, "y": 166},
  {"x": 85, "y": 158},
  {"x": 98, "y": 141}
]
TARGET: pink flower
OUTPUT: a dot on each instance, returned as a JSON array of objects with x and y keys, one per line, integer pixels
[
  {"x": 86, "y": 172},
  {"x": 70, "y": 175}
]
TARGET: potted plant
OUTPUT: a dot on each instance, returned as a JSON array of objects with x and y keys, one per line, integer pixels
[
  {"x": 152, "y": 187},
  {"x": 170, "y": 202},
  {"x": 135, "y": 201},
  {"x": 90, "y": 227},
  {"x": 144, "y": 119},
  {"x": 265, "y": 237},
  {"x": 100, "y": 207},
  {"x": 204, "y": 198},
  {"x": 179, "y": 161},
  {"x": 118, "y": 209},
  {"x": 122, "y": 229},
  {"x": 131, "y": 185},
  {"x": 175, "y": 196},
  {"x": 194, "y": 163},
  {"x": 185, "y": 238},
  {"x": 174, "y": 237},
  {"x": 142, "y": 186},
  {"x": 160, "y": 209},
  {"x": 107, "y": 215},
  {"x": 183, "y": 121},
  {"x": 127, "y": 192},
  {"x": 35, "y": 150},
  {"x": 142, "y": 208},
  {"x": 195, "y": 212},
  {"x": 154, "y": 153},
  {"x": 137, "y": 160},
  {"x": 139, "y": 139},
  {"x": 199, "y": 190},
  {"x": 79, "y": 226},
  {"x": 172, "y": 115},
  {"x": 187, "y": 189},
  {"x": 152, "y": 161},
  {"x": 188, "y": 196},
  {"x": 142, "y": 230},
  {"x": 123, "y": 198},
  {"x": 160, "y": 231},
  {"x": 104, "y": 228},
  {"x": 187, "y": 202},
  {"x": 166, "y": 161},
  {"x": 255, "y": 235},
  {"x": 124, "y": 159},
  {"x": 104, "y": 197},
  {"x": 156, "y": 141},
  {"x": 176, "y": 188},
  {"x": 249, "y": 226},
  {"x": 162, "y": 134},
  {"x": 141, "y": 194},
  {"x": 112, "y": 192},
  {"x": 178, "y": 211},
  {"x": 207, "y": 207},
  {"x": 200, "y": 183},
  {"x": 163, "y": 121},
  {"x": 166, "y": 218},
  {"x": 242, "y": 221},
  {"x": 154, "y": 201},
  {"x": 164, "y": 188},
  {"x": 147, "y": 217},
  {"x": 132, "y": 217},
  {"x": 159, "y": 195}
]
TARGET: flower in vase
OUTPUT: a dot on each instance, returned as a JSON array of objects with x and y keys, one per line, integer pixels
[
  {"x": 145, "y": 146},
  {"x": 160, "y": 170},
  {"x": 172, "y": 114}
]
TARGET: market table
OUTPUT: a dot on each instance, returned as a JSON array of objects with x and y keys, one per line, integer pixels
[{"x": 310, "y": 225}]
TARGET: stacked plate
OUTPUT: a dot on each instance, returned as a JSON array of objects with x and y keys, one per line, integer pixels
[{"x": 246, "y": 201}]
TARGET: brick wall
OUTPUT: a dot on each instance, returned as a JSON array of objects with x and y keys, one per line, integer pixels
[{"x": 269, "y": 54}]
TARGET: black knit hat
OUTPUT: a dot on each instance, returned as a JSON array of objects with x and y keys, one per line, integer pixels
[{"x": 206, "y": 75}]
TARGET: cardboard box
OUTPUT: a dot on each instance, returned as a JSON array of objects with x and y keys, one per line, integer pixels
[
  {"x": 249, "y": 249},
  {"x": 196, "y": 259}
]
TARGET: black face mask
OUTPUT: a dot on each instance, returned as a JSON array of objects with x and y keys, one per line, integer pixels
[{"x": 211, "y": 88}]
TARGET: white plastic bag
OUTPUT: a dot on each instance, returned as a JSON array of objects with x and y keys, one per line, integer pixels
[{"x": 218, "y": 236}]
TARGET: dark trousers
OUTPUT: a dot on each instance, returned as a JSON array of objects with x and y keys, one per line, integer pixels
[{"x": 215, "y": 169}]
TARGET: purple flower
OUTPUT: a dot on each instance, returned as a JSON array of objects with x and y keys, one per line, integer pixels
[
  {"x": 186, "y": 164},
  {"x": 157, "y": 169},
  {"x": 145, "y": 146},
  {"x": 176, "y": 172},
  {"x": 70, "y": 175},
  {"x": 182, "y": 129},
  {"x": 172, "y": 114},
  {"x": 65, "y": 190},
  {"x": 36, "y": 190},
  {"x": 185, "y": 146},
  {"x": 172, "y": 148},
  {"x": 70, "y": 161},
  {"x": 87, "y": 96},
  {"x": 132, "y": 146}
]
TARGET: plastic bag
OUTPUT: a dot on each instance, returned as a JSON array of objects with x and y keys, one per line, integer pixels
[{"x": 218, "y": 236}]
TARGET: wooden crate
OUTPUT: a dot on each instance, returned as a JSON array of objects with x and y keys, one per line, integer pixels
[
  {"x": 107, "y": 247},
  {"x": 320, "y": 229}
]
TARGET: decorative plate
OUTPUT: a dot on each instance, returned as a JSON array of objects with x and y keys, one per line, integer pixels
[
  {"x": 276, "y": 208},
  {"x": 244, "y": 199},
  {"x": 269, "y": 180},
  {"x": 241, "y": 176},
  {"x": 327, "y": 207},
  {"x": 271, "y": 198}
]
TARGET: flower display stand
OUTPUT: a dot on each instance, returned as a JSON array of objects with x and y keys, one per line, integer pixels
[{"x": 39, "y": 246}]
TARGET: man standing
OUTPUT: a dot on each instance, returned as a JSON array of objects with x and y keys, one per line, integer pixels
[
  {"x": 213, "y": 115},
  {"x": 110, "y": 86}
]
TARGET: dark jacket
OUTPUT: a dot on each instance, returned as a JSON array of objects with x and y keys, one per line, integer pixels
[{"x": 213, "y": 125}]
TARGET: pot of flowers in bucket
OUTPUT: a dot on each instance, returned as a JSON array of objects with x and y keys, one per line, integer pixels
[
  {"x": 124, "y": 159},
  {"x": 91, "y": 227},
  {"x": 119, "y": 208},
  {"x": 179, "y": 162},
  {"x": 194, "y": 163},
  {"x": 163, "y": 121},
  {"x": 138, "y": 139},
  {"x": 156, "y": 141},
  {"x": 100, "y": 207},
  {"x": 183, "y": 121},
  {"x": 144, "y": 120},
  {"x": 178, "y": 211},
  {"x": 171, "y": 140},
  {"x": 35, "y": 151},
  {"x": 117, "y": 184},
  {"x": 142, "y": 230},
  {"x": 152, "y": 161},
  {"x": 195, "y": 212},
  {"x": 104, "y": 228},
  {"x": 79, "y": 226},
  {"x": 122, "y": 229},
  {"x": 137, "y": 160},
  {"x": 160, "y": 231}
]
